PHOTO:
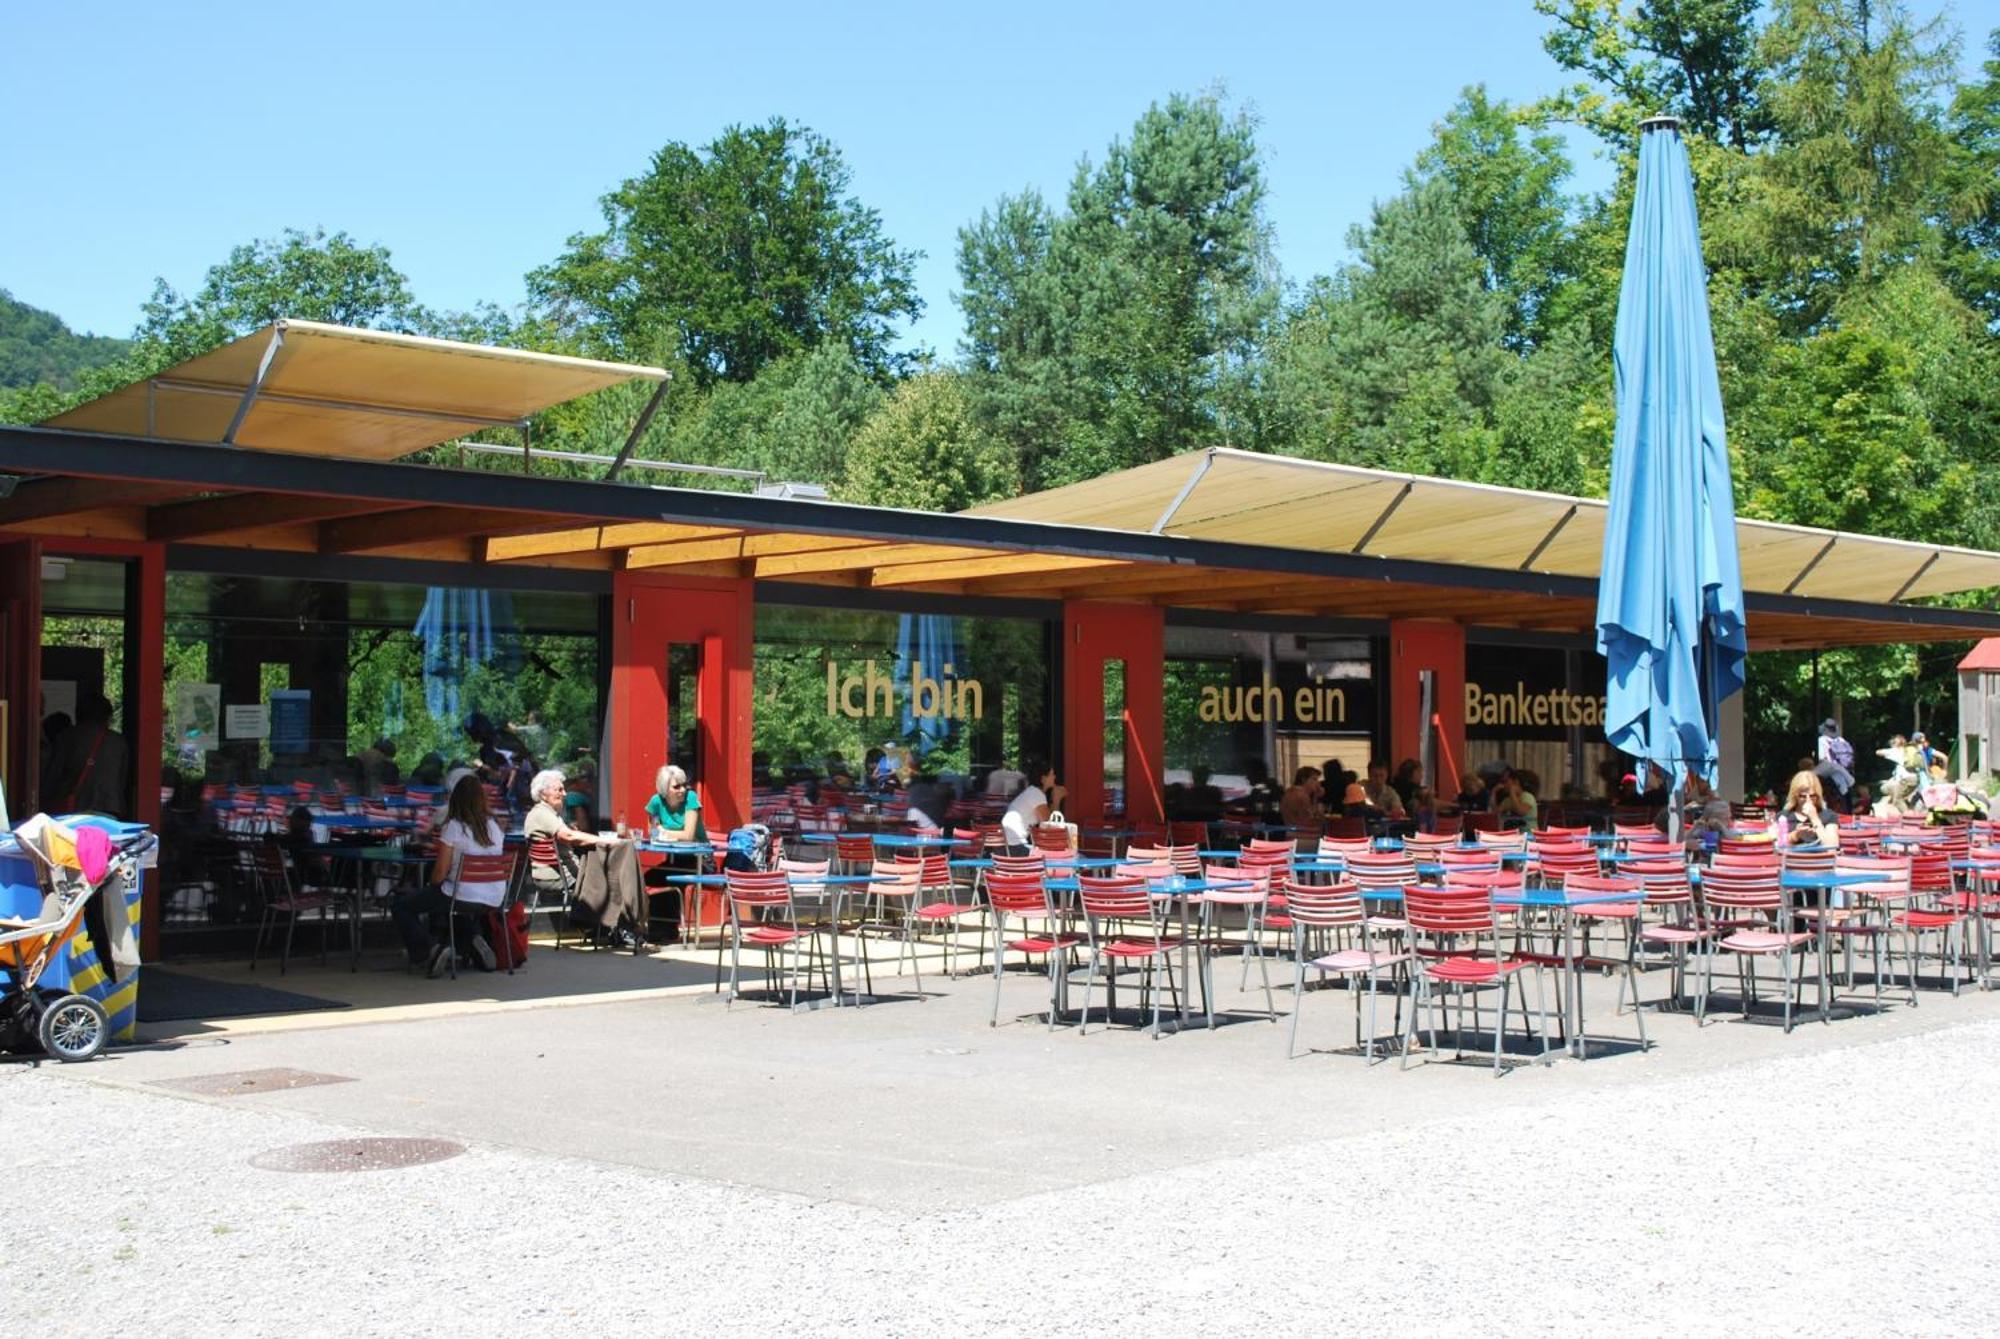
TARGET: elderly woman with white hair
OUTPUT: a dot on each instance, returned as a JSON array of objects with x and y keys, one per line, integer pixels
[
  {"x": 601, "y": 868},
  {"x": 674, "y": 808}
]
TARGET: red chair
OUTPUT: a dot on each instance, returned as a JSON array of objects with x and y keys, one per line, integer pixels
[
  {"x": 895, "y": 888},
  {"x": 1458, "y": 858},
  {"x": 1124, "y": 924},
  {"x": 1868, "y": 913},
  {"x": 933, "y": 873},
  {"x": 1463, "y": 954},
  {"x": 1666, "y": 890},
  {"x": 271, "y": 879},
  {"x": 1026, "y": 897},
  {"x": 1335, "y": 911},
  {"x": 854, "y": 854},
  {"x": 1263, "y": 846},
  {"x": 469, "y": 868},
  {"x": 1622, "y": 915},
  {"x": 1427, "y": 845},
  {"x": 548, "y": 873},
  {"x": 1556, "y": 865},
  {"x": 1246, "y": 887},
  {"x": 1939, "y": 906},
  {"x": 1051, "y": 839},
  {"x": 762, "y": 915},
  {"x": 1751, "y": 906}
]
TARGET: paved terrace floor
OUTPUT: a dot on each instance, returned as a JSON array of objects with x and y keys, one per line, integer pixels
[{"x": 659, "y": 1159}]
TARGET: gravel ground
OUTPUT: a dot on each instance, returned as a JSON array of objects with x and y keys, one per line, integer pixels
[{"x": 1837, "y": 1193}]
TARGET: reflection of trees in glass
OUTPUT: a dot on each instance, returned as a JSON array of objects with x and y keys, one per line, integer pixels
[
  {"x": 793, "y": 725},
  {"x": 1191, "y": 740},
  {"x": 556, "y": 678}
]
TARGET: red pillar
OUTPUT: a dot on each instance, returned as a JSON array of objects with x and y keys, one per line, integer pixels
[
  {"x": 1092, "y": 634},
  {"x": 649, "y": 614},
  {"x": 1415, "y": 645}
]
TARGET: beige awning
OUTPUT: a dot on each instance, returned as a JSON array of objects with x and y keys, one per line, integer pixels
[
  {"x": 1242, "y": 497},
  {"x": 329, "y": 390}
]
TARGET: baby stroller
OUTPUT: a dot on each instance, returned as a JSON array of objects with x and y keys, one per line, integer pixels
[{"x": 72, "y": 863}]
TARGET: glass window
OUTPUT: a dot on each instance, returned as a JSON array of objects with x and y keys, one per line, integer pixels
[
  {"x": 877, "y": 700},
  {"x": 1245, "y": 709},
  {"x": 340, "y": 691}
]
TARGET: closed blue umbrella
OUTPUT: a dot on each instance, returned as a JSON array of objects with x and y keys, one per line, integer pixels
[
  {"x": 925, "y": 642},
  {"x": 1670, "y": 597}
]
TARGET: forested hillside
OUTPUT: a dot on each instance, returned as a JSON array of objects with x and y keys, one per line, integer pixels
[{"x": 35, "y": 346}]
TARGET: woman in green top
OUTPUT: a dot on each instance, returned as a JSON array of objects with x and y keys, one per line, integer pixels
[{"x": 674, "y": 808}]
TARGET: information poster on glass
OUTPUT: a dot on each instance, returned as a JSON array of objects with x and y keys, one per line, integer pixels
[
  {"x": 291, "y": 719},
  {"x": 246, "y": 720}
]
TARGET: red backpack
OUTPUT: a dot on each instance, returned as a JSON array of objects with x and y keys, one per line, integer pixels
[{"x": 509, "y": 937}]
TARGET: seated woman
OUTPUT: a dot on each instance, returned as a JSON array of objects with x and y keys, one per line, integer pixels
[
  {"x": 1038, "y": 799},
  {"x": 606, "y": 889},
  {"x": 1806, "y": 819},
  {"x": 468, "y": 829},
  {"x": 674, "y": 810}
]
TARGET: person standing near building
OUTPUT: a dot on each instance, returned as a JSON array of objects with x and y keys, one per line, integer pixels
[
  {"x": 1900, "y": 790},
  {"x": 88, "y": 773},
  {"x": 1835, "y": 765}
]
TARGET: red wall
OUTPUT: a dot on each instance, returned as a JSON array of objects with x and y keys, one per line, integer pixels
[
  {"x": 1417, "y": 644},
  {"x": 647, "y": 614},
  {"x": 1092, "y": 634}
]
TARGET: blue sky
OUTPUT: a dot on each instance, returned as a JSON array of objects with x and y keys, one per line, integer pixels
[{"x": 473, "y": 139}]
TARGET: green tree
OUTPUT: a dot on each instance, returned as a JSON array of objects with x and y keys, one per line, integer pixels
[
  {"x": 1972, "y": 258},
  {"x": 1415, "y": 335},
  {"x": 795, "y": 421},
  {"x": 925, "y": 450},
  {"x": 1507, "y": 190},
  {"x": 1859, "y": 172},
  {"x": 732, "y": 256},
  {"x": 1119, "y": 331},
  {"x": 1695, "y": 59},
  {"x": 311, "y": 276}
]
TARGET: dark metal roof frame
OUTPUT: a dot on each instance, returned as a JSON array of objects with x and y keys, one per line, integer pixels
[{"x": 49, "y": 451}]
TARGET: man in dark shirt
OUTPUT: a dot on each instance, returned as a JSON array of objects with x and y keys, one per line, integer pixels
[
  {"x": 89, "y": 765},
  {"x": 87, "y": 774}
]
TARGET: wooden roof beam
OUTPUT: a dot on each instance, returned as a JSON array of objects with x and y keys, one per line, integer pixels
[
  {"x": 40, "y": 499},
  {"x": 591, "y": 538},
  {"x": 416, "y": 525},
  {"x": 971, "y": 569},
  {"x": 741, "y": 547},
  {"x": 866, "y": 554},
  {"x": 204, "y": 518}
]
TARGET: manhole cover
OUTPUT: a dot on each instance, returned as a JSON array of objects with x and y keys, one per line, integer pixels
[
  {"x": 356, "y": 1155},
  {"x": 237, "y": 1082}
]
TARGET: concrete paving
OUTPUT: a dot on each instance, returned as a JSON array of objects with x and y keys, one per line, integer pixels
[{"x": 904, "y": 1168}]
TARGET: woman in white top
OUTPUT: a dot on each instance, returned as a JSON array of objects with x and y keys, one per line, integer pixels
[
  {"x": 1042, "y": 796},
  {"x": 468, "y": 829}
]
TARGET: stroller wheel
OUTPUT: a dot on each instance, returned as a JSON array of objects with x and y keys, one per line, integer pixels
[{"x": 74, "y": 1028}]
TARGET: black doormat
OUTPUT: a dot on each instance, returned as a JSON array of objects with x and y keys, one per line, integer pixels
[{"x": 168, "y": 997}]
